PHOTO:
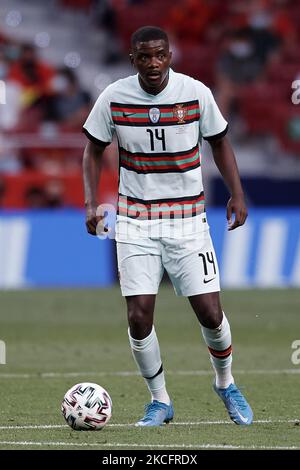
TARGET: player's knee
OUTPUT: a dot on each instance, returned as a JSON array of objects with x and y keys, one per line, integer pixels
[
  {"x": 208, "y": 309},
  {"x": 211, "y": 317},
  {"x": 136, "y": 316},
  {"x": 139, "y": 319}
]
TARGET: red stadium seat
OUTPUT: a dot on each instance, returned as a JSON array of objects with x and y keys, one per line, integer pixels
[
  {"x": 79, "y": 4},
  {"x": 198, "y": 61},
  {"x": 132, "y": 17},
  {"x": 283, "y": 73},
  {"x": 257, "y": 104},
  {"x": 17, "y": 186}
]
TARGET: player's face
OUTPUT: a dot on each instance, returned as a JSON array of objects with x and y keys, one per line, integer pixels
[{"x": 152, "y": 60}]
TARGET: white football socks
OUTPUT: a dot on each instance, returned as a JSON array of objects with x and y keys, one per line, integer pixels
[
  {"x": 218, "y": 341},
  {"x": 146, "y": 353}
]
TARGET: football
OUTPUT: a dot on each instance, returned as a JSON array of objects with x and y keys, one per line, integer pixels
[{"x": 87, "y": 407}]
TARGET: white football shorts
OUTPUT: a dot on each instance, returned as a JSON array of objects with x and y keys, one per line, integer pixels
[{"x": 190, "y": 263}]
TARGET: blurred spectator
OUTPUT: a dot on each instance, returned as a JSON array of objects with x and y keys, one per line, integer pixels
[
  {"x": 105, "y": 18},
  {"x": 10, "y": 103},
  {"x": 238, "y": 66},
  {"x": 32, "y": 75},
  {"x": 269, "y": 23},
  {"x": 265, "y": 40},
  {"x": 50, "y": 196},
  {"x": 69, "y": 105},
  {"x": 35, "y": 197},
  {"x": 54, "y": 191}
]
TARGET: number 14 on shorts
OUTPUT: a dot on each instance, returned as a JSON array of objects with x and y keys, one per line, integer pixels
[{"x": 209, "y": 266}]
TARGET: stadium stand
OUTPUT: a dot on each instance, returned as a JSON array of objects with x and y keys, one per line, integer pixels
[{"x": 50, "y": 87}]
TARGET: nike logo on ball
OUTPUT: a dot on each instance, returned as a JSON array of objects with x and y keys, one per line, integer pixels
[{"x": 128, "y": 114}]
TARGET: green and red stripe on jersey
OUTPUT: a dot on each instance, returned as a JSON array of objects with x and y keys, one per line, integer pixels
[
  {"x": 138, "y": 115},
  {"x": 221, "y": 354},
  {"x": 175, "y": 208},
  {"x": 160, "y": 162}
]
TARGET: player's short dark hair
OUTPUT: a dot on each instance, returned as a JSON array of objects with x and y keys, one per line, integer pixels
[{"x": 148, "y": 33}]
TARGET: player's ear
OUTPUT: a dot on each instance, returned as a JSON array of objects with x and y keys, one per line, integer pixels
[
  {"x": 131, "y": 59},
  {"x": 170, "y": 56}
]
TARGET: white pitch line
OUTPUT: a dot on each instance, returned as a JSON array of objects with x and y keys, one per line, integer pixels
[
  {"x": 128, "y": 425},
  {"x": 154, "y": 446},
  {"x": 35, "y": 426},
  {"x": 51, "y": 375}
]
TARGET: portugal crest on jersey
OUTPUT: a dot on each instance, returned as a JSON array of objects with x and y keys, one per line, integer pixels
[
  {"x": 180, "y": 112},
  {"x": 154, "y": 115}
]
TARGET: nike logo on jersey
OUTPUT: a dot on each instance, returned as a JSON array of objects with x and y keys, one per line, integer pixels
[
  {"x": 128, "y": 114},
  {"x": 208, "y": 280}
]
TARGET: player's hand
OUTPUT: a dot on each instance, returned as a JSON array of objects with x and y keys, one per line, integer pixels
[
  {"x": 93, "y": 222},
  {"x": 237, "y": 206}
]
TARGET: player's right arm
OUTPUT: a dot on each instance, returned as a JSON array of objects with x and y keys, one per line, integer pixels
[
  {"x": 99, "y": 129},
  {"x": 92, "y": 164}
]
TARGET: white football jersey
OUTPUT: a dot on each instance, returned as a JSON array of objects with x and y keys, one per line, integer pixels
[{"x": 160, "y": 182}]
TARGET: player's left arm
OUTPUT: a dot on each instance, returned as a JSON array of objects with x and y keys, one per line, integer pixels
[{"x": 226, "y": 163}]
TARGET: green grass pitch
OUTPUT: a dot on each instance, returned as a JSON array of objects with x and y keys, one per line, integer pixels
[{"x": 56, "y": 338}]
